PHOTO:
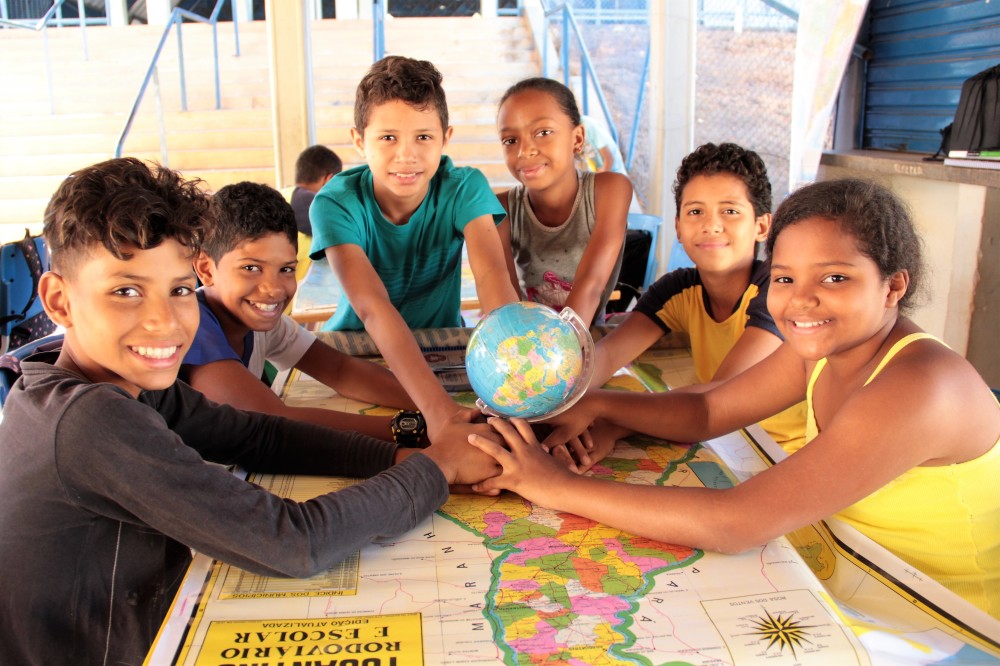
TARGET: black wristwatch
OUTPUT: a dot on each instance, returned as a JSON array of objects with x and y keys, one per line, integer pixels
[{"x": 409, "y": 428}]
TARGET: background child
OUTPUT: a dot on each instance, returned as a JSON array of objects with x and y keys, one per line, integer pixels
[
  {"x": 247, "y": 267},
  {"x": 104, "y": 486},
  {"x": 314, "y": 168},
  {"x": 565, "y": 229},
  {"x": 393, "y": 230},
  {"x": 904, "y": 436},
  {"x": 723, "y": 200}
]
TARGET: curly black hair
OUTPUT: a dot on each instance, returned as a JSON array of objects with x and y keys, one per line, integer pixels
[
  {"x": 709, "y": 159},
  {"x": 878, "y": 220},
  {"x": 123, "y": 204},
  {"x": 247, "y": 211},
  {"x": 415, "y": 82}
]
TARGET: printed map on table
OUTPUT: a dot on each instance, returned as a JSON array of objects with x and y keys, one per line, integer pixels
[{"x": 501, "y": 581}]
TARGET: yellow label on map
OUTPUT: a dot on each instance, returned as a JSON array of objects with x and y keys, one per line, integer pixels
[{"x": 383, "y": 640}]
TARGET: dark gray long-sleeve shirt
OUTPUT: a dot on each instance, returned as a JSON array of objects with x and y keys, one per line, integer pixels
[{"x": 102, "y": 495}]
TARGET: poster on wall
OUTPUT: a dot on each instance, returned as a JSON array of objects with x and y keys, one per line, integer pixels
[{"x": 826, "y": 35}]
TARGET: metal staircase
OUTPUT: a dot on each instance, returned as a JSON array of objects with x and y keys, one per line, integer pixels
[{"x": 43, "y": 138}]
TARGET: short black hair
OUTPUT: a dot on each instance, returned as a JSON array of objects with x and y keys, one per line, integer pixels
[
  {"x": 316, "y": 162},
  {"x": 123, "y": 204},
  {"x": 247, "y": 211},
  {"x": 710, "y": 159},
  {"x": 563, "y": 96},
  {"x": 415, "y": 82},
  {"x": 879, "y": 221}
]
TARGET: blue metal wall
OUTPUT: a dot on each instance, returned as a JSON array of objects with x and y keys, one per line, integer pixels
[{"x": 920, "y": 53}]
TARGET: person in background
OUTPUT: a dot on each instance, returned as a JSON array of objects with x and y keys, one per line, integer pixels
[
  {"x": 314, "y": 168},
  {"x": 600, "y": 152}
]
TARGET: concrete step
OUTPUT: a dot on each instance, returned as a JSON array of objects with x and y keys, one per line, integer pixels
[{"x": 38, "y": 148}]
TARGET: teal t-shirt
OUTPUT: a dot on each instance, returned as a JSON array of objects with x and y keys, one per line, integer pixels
[{"x": 420, "y": 262}]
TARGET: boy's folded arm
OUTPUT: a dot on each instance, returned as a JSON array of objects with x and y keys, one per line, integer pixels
[
  {"x": 489, "y": 264},
  {"x": 353, "y": 377},
  {"x": 136, "y": 470}
]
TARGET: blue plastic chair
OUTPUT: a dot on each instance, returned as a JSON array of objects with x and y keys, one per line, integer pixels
[
  {"x": 650, "y": 224},
  {"x": 10, "y": 363},
  {"x": 678, "y": 257}
]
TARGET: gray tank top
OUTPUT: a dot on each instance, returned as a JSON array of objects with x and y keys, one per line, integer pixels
[{"x": 547, "y": 257}]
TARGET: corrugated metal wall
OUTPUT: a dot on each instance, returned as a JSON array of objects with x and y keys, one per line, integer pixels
[{"x": 921, "y": 52}]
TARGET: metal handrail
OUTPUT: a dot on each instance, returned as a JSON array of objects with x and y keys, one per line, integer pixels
[
  {"x": 638, "y": 110},
  {"x": 587, "y": 66},
  {"x": 42, "y": 25},
  {"x": 177, "y": 17},
  {"x": 378, "y": 29}
]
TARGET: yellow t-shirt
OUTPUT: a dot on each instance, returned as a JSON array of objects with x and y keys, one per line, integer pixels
[
  {"x": 943, "y": 520},
  {"x": 676, "y": 302}
]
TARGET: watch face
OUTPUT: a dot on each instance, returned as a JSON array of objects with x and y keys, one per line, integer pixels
[{"x": 408, "y": 423}]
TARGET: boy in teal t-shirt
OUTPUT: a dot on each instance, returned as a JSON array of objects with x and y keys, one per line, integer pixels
[
  {"x": 393, "y": 231},
  {"x": 419, "y": 262}
]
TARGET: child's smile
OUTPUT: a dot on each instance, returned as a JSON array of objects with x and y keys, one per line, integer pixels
[
  {"x": 131, "y": 321},
  {"x": 403, "y": 147},
  {"x": 717, "y": 224},
  {"x": 538, "y": 140},
  {"x": 251, "y": 285},
  {"x": 826, "y": 296}
]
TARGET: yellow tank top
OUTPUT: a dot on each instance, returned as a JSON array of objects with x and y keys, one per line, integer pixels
[{"x": 943, "y": 520}]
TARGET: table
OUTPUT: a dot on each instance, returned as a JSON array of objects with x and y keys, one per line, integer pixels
[{"x": 499, "y": 580}]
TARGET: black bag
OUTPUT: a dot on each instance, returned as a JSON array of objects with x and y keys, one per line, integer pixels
[
  {"x": 22, "y": 318},
  {"x": 977, "y": 118},
  {"x": 633, "y": 272}
]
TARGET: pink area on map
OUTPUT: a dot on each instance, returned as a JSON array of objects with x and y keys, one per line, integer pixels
[
  {"x": 526, "y": 585},
  {"x": 605, "y": 607},
  {"x": 494, "y": 522}
]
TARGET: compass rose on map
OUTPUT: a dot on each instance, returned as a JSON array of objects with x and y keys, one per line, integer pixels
[{"x": 782, "y": 631}]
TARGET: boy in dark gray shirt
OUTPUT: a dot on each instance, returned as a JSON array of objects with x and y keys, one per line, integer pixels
[{"x": 104, "y": 485}]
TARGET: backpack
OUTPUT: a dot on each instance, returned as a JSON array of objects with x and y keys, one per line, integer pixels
[
  {"x": 22, "y": 318},
  {"x": 977, "y": 118},
  {"x": 633, "y": 271}
]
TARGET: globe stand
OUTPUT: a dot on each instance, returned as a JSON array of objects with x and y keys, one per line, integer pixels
[{"x": 587, "y": 354}]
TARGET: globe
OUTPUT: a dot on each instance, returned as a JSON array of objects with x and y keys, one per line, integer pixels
[{"x": 526, "y": 360}]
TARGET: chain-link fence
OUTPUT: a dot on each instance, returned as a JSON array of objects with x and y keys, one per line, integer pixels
[{"x": 744, "y": 68}]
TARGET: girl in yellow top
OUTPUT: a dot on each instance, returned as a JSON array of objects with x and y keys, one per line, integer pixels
[{"x": 905, "y": 443}]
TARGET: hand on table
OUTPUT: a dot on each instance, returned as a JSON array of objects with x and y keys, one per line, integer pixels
[
  {"x": 461, "y": 463},
  {"x": 527, "y": 468}
]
